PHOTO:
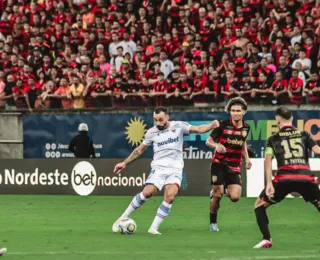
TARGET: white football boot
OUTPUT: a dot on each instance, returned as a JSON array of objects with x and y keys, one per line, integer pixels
[
  {"x": 153, "y": 231},
  {"x": 263, "y": 244},
  {"x": 214, "y": 227},
  {"x": 115, "y": 226}
]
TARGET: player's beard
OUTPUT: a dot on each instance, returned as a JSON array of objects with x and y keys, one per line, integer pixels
[{"x": 162, "y": 127}]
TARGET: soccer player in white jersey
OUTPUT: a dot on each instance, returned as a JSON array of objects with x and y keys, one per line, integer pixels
[{"x": 167, "y": 165}]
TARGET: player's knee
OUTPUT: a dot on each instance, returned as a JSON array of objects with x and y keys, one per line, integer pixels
[
  {"x": 149, "y": 190},
  {"x": 260, "y": 202},
  {"x": 234, "y": 198},
  {"x": 148, "y": 193},
  {"x": 217, "y": 196},
  {"x": 169, "y": 198}
]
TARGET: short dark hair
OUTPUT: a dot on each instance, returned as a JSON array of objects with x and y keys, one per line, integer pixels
[
  {"x": 283, "y": 112},
  {"x": 158, "y": 110},
  {"x": 237, "y": 101}
]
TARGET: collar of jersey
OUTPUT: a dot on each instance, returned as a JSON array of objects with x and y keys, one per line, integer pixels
[
  {"x": 287, "y": 126},
  {"x": 243, "y": 124}
]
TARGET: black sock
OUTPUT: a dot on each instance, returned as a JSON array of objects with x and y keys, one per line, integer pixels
[
  {"x": 263, "y": 222},
  {"x": 317, "y": 205},
  {"x": 213, "y": 218}
]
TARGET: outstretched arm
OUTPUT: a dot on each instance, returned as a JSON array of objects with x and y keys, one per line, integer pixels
[
  {"x": 133, "y": 156},
  {"x": 204, "y": 128}
]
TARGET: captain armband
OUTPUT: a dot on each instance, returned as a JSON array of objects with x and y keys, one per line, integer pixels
[{"x": 269, "y": 150}]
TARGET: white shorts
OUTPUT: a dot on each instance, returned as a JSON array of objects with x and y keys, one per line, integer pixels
[{"x": 161, "y": 176}]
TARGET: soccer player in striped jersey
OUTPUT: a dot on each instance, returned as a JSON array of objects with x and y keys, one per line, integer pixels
[
  {"x": 229, "y": 142},
  {"x": 290, "y": 147}
]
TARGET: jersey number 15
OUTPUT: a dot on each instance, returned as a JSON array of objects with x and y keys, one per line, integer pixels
[{"x": 292, "y": 148}]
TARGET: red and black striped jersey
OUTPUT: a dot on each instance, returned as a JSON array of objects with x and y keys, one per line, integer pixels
[
  {"x": 232, "y": 138},
  {"x": 239, "y": 62},
  {"x": 290, "y": 146}
]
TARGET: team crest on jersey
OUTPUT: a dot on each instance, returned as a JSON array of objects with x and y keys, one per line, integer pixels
[
  {"x": 214, "y": 179},
  {"x": 173, "y": 130},
  {"x": 244, "y": 133}
]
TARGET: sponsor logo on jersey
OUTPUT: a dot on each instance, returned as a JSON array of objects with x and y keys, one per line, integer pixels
[
  {"x": 289, "y": 133},
  {"x": 235, "y": 141},
  {"x": 168, "y": 141},
  {"x": 214, "y": 179}
]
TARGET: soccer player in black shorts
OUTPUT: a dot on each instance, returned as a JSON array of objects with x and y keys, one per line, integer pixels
[
  {"x": 290, "y": 147},
  {"x": 229, "y": 142}
]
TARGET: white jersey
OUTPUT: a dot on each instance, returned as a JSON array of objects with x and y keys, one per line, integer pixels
[{"x": 167, "y": 144}]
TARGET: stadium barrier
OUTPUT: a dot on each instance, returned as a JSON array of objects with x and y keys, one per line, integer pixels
[
  {"x": 96, "y": 177},
  {"x": 91, "y": 177},
  {"x": 115, "y": 135}
]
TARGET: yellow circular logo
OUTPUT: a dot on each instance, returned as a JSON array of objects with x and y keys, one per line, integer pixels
[{"x": 136, "y": 129}]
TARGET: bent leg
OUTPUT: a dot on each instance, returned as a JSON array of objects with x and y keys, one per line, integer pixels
[
  {"x": 170, "y": 192},
  {"x": 140, "y": 199},
  {"x": 234, "y": 191}
]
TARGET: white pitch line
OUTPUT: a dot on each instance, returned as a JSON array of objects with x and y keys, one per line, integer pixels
[
  {"x": 76, "y": 252},
  {"x": 272, "y": 257},
  {"x": 313, "y": 256},
  {"x": 94, "y": 252}
]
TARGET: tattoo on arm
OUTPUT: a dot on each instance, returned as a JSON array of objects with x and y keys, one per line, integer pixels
[{"x": 134, "y": 155}]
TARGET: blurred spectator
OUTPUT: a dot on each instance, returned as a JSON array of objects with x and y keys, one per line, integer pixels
[
  {"x": 312, "y": 89},
  {"x": 76, "y": 92},
  {"x": 206, "y": 50}
]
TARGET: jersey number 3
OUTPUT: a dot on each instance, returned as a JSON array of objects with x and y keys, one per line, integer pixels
[{"x": 292, "y": 148}]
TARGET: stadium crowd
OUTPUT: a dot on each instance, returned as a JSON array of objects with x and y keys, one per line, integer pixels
[{"x": 95, "y": 53}]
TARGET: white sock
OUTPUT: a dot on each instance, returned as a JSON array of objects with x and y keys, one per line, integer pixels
[
  {"x": 136, "y": 203},
  {"x": 162, "y": 212}
]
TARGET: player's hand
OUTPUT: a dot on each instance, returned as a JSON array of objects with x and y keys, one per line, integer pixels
[
  {"x": 270, "y": 190},
  {"x": 220, "y": 148},
  {"x": 215, "y": 124},
  {"x": 119, "y": 167},
  {"x": 248, "y": 164}
]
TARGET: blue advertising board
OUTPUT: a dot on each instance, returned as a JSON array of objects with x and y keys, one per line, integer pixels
[{"x": 116, "y": 135}]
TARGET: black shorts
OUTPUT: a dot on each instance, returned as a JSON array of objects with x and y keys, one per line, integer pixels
[
  {"x": 222, "y": 175},
  {"x": 308, "y": 190}
]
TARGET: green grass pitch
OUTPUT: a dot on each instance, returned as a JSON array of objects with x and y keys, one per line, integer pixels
[{"x": 79, "y": 228}]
